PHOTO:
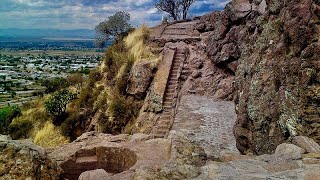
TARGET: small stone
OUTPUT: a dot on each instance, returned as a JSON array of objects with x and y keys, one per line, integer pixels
[
  {"x": 306, "y": 143},
  {"x": 289, "y": 151},
  {"x": 98, "y": 174}
]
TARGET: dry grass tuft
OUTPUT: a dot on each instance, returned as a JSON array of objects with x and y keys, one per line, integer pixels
[
  {"x": 50, "y": 136},
  {"x": 136, "y": 44}
]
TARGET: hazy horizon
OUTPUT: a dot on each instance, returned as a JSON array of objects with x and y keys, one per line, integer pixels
[{"x": 86, "y": 14}]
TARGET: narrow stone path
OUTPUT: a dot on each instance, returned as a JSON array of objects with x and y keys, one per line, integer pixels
[{"x": 164, "y": 124}]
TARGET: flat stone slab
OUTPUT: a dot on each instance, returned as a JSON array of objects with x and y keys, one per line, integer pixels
[{"x": 208, "y": 122}]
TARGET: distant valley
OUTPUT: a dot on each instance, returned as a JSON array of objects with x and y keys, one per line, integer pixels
[{"x": 46, "y": 33}]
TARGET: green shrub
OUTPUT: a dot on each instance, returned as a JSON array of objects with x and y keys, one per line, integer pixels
[
  {"x": 7, "y": 114},
  {"x": 55, "y": 84},
  {"x": 20, "y": 129},
  {"x": 56, "y": 105}
]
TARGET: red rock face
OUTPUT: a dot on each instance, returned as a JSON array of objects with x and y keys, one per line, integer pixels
[
  {"x": 276, "y": 77},
  {"x": 272, "y": 47}
]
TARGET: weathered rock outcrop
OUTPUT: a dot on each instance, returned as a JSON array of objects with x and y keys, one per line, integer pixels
[
  {"x": 140, "y": 78},
  {"x": 272, "y": 48},
  {"x": 119, "y": 156},
  {"x": 276, "y": 81},
  {"x": 25, "y": 160}
]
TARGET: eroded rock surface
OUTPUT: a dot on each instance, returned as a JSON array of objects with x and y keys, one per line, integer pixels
[
  {"x": 208, "y": 122},
  {"x": 272, "y": 48},
  {"x": 25, "y": 160},
  {"x": 118, "y": 155},
  {"x": 276, "y": 80}
]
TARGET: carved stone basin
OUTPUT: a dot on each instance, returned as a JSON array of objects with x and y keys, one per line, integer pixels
[{"x": 113, "y": 160}]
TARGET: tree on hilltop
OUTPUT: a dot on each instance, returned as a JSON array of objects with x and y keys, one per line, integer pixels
[
  {"x": 115, "y": 27},
  {"x": 177, "y": 9}
]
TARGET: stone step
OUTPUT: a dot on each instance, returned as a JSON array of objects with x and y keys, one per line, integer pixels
[
  {"x": 180, "y": 31},
  {"x": 167, "y": 107},
  {"x": 179, "y": 53},
  {"x": 169, "y": 94},
  {"x": 166, "y": 122},
  {"x": 176, "y": 64},
  {"x": 159, "y": 135},
  {"x": 178, "y": 58},
  {"x": 165, "y": 125},
  {"x": 167, "y": 114},
  {"x": 173, "y": 74},
  {"x": 170, "y": 91},
  {"x": 165, "y": 118},
  {"x": 171, "y": 87},
  {"x": 173, "y": 78},
  {"x": 167, "y": 104},
  {"x": 168, "y": 98},
  {"x": 173, "y": 82},
  {"x": 185, "y": 71},
  {"x": 161, "y": 130},
  {"x": 175, "y": 71}
]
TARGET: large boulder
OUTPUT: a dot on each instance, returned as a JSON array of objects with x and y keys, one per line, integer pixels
[
  {"x": 140, "y": 78},
  {"x": 25, "y": 160}
]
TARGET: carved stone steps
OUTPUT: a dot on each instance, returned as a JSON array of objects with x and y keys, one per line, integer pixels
[{"x": 162, "y": 128}]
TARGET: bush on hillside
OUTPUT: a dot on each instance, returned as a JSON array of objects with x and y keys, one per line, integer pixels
[
  {"x": 20, "y": 129},
  {"x": 116, "y": 27},
  {"x": 53, "y": 85},
  {"x": 7, "y": 114},
  {"x": 56, "y": 105}
]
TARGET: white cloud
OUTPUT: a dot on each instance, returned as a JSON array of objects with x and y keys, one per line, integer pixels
[{"x": 69, "y": 14}]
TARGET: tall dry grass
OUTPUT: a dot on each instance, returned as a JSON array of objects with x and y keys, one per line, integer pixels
[
  {"x": 50, "y": 136},
  {"x": 136, "y": 43}
]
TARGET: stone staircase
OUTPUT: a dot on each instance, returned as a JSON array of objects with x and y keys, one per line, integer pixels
[
  {"x": 165, "y": 122},
  {"x": 179, "y": 32}
]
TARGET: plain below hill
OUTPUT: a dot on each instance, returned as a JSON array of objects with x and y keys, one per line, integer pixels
[{"x": 46, "y": 33}]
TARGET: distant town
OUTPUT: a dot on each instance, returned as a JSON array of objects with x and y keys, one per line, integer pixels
[{"x": 21, "y": 73}]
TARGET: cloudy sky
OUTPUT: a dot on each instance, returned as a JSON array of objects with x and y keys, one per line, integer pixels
[{"x": 85, "y": 14}]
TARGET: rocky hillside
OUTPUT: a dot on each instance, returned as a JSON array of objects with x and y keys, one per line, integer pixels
[
  {"x": 264, "y": 54},
  {"x": 234, "y": 95},
  {"x": 277, "y": 79}
]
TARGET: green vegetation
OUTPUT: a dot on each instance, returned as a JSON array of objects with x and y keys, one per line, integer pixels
[
  {"x": 100, "y": 99},
  {"x": 32, "y": 119},
  {"x": 177, "y": 9},
  {"x": 52, "y": 85},
  {"x": 6, "y": 116},
  {"x": 56, "y": 105},
  {"x": 115, "y": 27}
]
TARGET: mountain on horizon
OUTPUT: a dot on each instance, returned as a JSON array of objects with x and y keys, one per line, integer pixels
[{"x": 46, "y": 33}]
